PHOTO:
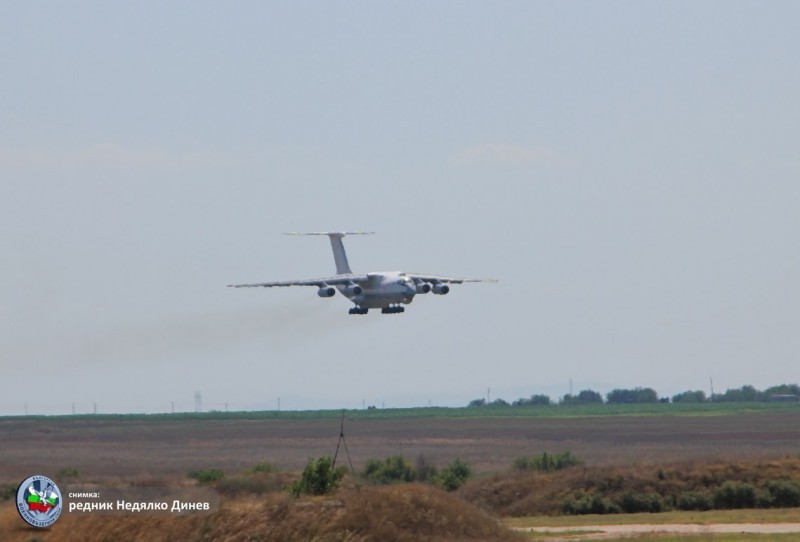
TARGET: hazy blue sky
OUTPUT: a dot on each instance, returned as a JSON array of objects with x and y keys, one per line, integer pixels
[{"x": 629, "y": 171}]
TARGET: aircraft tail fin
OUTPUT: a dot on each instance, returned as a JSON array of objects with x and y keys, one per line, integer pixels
[{"x": 339, "y": 255}]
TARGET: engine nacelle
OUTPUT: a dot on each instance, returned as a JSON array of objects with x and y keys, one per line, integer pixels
[
  {"x": 440, "y": 289},
  {"x": 326, "y": 291},
  {"x": 423, "y": 288},
  {"x": 353, "y": 289}
]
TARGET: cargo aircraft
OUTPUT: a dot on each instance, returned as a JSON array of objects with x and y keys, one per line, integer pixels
[{"x": 381, "y": 290}]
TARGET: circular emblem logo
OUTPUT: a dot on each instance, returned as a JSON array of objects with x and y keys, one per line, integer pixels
[{"x": 39, "y": 501}]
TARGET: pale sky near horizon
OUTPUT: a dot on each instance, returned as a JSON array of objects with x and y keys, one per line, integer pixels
[{"x": 629, "y": 171}]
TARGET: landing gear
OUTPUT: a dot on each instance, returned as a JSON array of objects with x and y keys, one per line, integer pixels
[
  {"x": 392, "y": 309},
  {"x": 359, "y": 310}
]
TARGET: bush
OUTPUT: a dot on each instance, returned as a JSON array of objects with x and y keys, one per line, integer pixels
[
  {"x": 589, "y": 504},
  {"x": 262, "y": 468},
  {"x": 206, "y": 476},
  {"x": 632, "y": 503},
  {"x": 453, "y": 475},
  {"x": 733, "y": 495},
  {"x": 693, "y": 500},
  {"x": 319, "y": 478},
  {"x": 546, "y": 462},
  {"x": 783, "y": 493},
  {"x": 391, "y": 470},
  {"x": 425, "y": 471}
]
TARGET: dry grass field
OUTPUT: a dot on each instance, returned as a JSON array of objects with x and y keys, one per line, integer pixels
[
  {"x": 105, "y": 451},
  {"x": 165, "y": 447},
  {"x": 408, "y": 513}
]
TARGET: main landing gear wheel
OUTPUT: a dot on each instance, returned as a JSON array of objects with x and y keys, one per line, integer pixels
[
  {"x": 359, "y": 310},
  {"x": 392, "y": 309}
]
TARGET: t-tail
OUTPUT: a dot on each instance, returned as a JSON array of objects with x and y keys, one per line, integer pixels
[{"x": 339, "y": 255}]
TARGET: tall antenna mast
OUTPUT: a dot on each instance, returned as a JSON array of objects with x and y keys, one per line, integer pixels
[{"x": 335, "y": 455}]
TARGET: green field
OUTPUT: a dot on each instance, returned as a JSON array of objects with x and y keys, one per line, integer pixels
[{"x": 538, "y": 411}]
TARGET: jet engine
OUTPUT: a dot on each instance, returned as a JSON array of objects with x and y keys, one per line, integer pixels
[
  {"x": 326, "y": 291},
  {"x": 353, "y": 289},
  {"x": 440, "y": 289},
  {"x": 423, "y": 288}
]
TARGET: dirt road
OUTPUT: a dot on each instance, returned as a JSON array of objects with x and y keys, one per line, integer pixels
[{"x": 601, "y": 532}]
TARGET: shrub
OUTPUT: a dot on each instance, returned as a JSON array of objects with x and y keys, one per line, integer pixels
[
  {"x": 262, "y": 468},
  {"x": 632, "y": 503},
  {"x": 546, "y": 462},
  {"x": 319, "y": 478},
  {"x": 734, "y": 495},
  {"x": 453, "y": 475},
  {"x": 693, "y": 500},
  {"x": 425, "y": 471},
  {"x": 589, "y": 504},
  {"x": 783, "y": 493},
  {"x": 205, "y": 476},
  {"x": 391, "y": 470}
]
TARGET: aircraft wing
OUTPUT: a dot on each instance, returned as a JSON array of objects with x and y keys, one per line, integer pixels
[
  {"x": 330, "y": 281},
  {"x": 438, "y": 278}
]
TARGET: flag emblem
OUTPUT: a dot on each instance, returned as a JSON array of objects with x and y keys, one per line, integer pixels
[{"x": 39, "y": 501}]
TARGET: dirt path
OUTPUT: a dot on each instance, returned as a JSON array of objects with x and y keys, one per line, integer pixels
[{"x": 601, "y": 532}]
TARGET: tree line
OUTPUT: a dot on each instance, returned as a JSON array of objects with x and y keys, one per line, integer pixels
[{"x": 747, "y": 393}]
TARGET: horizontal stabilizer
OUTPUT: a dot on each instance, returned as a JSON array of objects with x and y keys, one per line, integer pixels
[{"x": 341, "y": 233}]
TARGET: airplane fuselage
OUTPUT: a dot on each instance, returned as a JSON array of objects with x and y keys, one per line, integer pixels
[{"x": 382, "y": 290}]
